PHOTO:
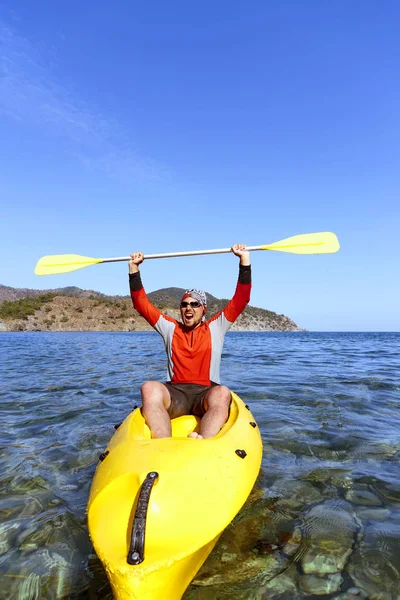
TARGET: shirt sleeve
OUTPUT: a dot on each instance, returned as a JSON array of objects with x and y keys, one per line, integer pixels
[
  {"x": 241, "y": 297},
  {"x": 141, "y": 302},
  {"x": 239, "y": 300}
]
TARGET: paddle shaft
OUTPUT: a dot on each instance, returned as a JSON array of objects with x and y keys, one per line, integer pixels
[
  {"x": 190, "y": 253},
  {"x": 307, "y": 243}
]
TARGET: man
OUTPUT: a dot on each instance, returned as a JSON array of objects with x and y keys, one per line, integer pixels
[{"x": 194, "y": 349}]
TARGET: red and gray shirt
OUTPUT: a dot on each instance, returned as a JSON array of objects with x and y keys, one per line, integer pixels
[{"x": 194, "y": 356}]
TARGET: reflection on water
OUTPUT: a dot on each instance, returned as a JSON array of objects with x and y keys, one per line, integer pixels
[{"x": 323, "y": 520}]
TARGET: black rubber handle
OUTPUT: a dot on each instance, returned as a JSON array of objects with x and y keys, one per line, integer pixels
[{"x": 136, "y": 548}]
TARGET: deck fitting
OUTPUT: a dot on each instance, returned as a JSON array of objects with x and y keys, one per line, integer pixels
[{"x": 241, "y": 453}]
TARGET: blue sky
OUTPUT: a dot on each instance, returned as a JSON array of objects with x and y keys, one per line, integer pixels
[{"x": 172, "y": 126}]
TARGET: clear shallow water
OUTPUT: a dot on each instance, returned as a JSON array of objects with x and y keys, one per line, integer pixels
[{"x": 324, "y": 519}]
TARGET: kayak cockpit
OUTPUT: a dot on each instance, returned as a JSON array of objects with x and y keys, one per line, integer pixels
[{"x": 181, "y": 426}]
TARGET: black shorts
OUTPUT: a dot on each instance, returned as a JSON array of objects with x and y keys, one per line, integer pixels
[{"x": 187, "y": 398}]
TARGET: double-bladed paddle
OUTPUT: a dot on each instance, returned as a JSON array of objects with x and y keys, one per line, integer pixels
[{"x": 307, "y": 243}]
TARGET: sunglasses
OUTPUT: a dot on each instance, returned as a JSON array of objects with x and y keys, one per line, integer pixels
[{"x": 192, "y": 304}]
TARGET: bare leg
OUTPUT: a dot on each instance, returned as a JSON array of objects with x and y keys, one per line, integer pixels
[
  {"x": 156, "y": 401},
  {"x": 217, "y": 404}
]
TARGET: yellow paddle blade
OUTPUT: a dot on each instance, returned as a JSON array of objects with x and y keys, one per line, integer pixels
[
  {"x": 63, "y": 263},
  {"x": 307, "y": 243}
]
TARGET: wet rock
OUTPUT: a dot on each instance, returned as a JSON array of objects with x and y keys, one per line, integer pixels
[
  {"x": 355, "y": 592},
  {"x": 195, "y": 593},
  {"x": 34, "y": 535},
  {"x": 252, "y": 523},
  {"x": 49, "y": 575},
  {"x": 258, "y": 569},
  {"x": 375, "y": 565},
  {"x": 327, "y": 538},
  {"x": 32, "y": 506},
  {"x": 29, "y": 587},
  {"x": 320, "y": 585},
  {"x": 337, "y": 477},
  {"x": 16, "y": 506},
  {"x": 34, "y": 485},
  {"x": 248, "y": 548},
  {"x": 389, "y": 491},
  {"x": 9, "y": 513},
  {"x": 296, "y": 494},
  {"x": 8, "y": 535},
  {"x": 225, "y": 592},
  {"x": 282, "y": 587},
  {"x": 373, "y": 514},
  {"x": 362, "y": 496},
  {"x": 293, "y": 544},
  {"x": 305, "y": 449},
  {"x": 60, "y": 573},
  {"x": 375, "y": 450},
  {"x": 27, "y": 547},
  {"x": 257, "y": 494},
  {"x": 351, "y": 594}
]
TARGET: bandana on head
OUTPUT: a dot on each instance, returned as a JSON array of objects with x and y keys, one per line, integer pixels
[{"x": 198, "y": 295}]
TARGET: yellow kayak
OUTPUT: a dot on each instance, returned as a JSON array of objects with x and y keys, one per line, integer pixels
[{"x": 158, "y": 506}]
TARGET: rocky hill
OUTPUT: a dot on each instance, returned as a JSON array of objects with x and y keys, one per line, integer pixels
[
  {"x": 11, "y": 293},
  {"x": 74, "y": 309}
]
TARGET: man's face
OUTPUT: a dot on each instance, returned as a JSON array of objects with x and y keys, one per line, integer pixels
[{"x": 191, "y": 312}]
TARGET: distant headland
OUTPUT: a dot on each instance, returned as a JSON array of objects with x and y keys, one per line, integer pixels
[{"x": 74, "y": 309}]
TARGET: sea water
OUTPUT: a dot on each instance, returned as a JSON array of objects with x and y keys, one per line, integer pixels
[{"x": 324, "y": 518}]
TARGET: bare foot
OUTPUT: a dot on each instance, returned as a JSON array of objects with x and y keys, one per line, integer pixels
[{"x": 195, "y": 435}]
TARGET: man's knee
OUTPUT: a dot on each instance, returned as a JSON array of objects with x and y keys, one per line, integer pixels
[
  {"x": 149, "y": 387},
  {"x": 151, "y": 392},
  {"x": 154, "y": 393},
  {"x": 225, "y": 394},
  {"x": 219, "y": 397}
]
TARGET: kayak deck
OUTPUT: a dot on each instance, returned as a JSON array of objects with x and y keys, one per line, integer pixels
[{"x": 201, "y": 485}]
